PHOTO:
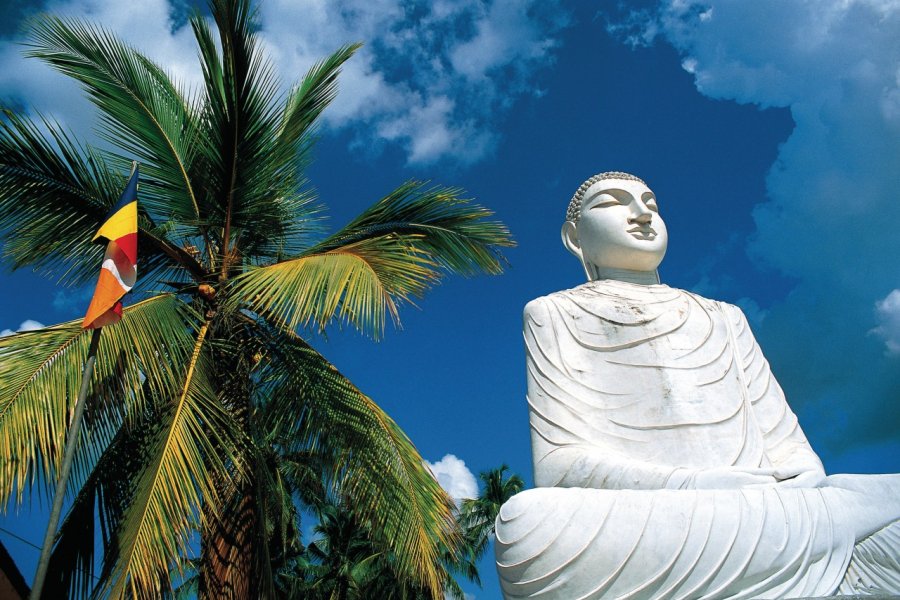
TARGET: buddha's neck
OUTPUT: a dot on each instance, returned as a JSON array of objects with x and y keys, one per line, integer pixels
[{"x": 640, "y": 277}]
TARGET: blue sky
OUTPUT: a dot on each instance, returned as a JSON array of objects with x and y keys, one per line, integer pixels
[{"x": 770, "y": 132}]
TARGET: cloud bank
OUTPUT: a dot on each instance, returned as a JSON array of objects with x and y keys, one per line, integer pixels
[
  {"x": 26, "y": 325},
  {"x": 434, "y": 78},
  {"x": 455, "y": 477},
  {"x": 831, "y": 218}
]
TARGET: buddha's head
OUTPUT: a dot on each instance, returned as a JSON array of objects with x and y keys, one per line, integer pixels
[{"x": 613, "y": 224}]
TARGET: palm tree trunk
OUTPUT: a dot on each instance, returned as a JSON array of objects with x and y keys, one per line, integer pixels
[{"x": 228, "y": 548}]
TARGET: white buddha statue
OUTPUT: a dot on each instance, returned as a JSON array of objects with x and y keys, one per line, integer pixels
[{"x": 667, "y": 461}]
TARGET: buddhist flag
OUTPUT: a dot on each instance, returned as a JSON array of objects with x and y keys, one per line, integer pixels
[{"x": 119, "y": 271}]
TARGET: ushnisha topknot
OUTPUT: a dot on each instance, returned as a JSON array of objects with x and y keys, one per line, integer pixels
[{"x": 574, "y": 211}]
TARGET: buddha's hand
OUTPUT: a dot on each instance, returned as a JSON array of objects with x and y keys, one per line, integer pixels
[
  {"x": 728, "y": 478},
  {"x": 800, "y": 477}
]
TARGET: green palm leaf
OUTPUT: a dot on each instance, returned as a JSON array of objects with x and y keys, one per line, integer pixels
[
  {"x": 304, "y": 105},
  {"x": 477, "y": 515},
  {"x": 310, "y": 405},
  {"x": 100, "y": 504},
  {"x": 243, "y": 120},
  {"x": 452, "y": 231},
  {"x": 306, "y": 102},
  {"x": 53, "y": 197},
  {"x": 40, "y": 372},
  {"x": 359, "y": 283},
  {"x": 393, "y": 252},
  {"x": 194, "y": 439},
  {"x": 142, "y": 112}
]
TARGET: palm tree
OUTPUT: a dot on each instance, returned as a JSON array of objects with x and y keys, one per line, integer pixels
[
  {"x": 344, "y": 562},
  {"x": 477, "y": 515},
  {"x": 206, "y": 393}
]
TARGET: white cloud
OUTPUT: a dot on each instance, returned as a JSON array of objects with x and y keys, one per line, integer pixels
[
  {"x": 26, "y": 325},
  {"x": 455, "y": 477},
  {"x": 147, "y": 25},
  {"x": 832, "y": 211},
  {"x": 433, "y": 78},
  {"x": 888, "y": 311},
  {"x": 30, "y": 325}
]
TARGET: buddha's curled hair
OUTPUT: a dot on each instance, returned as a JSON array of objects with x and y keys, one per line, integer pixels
[{"x": 574, "y": 211}]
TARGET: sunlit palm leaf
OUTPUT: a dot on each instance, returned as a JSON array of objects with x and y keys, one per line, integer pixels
[
  {"x": 359, "y": 283},
  {"x": 142, "y": 112},
  {"x": 194, "y": 438},
  {"x": 393, "y": 252},
  {"x": 98, "y": 506},
  {"x": 452, "y": 231},
  {"x": 380, "y": 473},
  {"x": 40, "y": 372}
]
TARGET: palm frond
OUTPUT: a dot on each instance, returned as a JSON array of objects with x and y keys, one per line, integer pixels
[
  {"x": 477, "y": 515},
  {"x": 392, "y": 253},
  {"x": 452, "y": 231},
  {"x": 142, "y": 112},
  {"x": 194, "y": 439},
  {"x": 242, "y": 122},
  {"x": 290, "y": 154},
  {"x": 310, "y": 405},
  {"x": 359, "y": 283},
  {"x": 53, "y": 197},
  {"x": 99, "y": 504},
  {"x": 54, "y": 194},
  {"x": 40, "y": 372},
  {"x": 314, "y": 93}
]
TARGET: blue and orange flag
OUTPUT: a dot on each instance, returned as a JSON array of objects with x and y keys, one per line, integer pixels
[{"x": 119, "y": 272}]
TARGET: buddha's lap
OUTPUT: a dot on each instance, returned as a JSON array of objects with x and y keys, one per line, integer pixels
[{"x": 667, "y": 535}]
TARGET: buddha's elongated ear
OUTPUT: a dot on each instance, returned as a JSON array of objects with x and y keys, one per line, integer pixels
[
  {"x": 570, "y": 238},
  {"x": 570, "y": 241}
]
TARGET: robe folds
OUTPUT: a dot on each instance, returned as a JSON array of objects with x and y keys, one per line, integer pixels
[{"x": 634, "y": 393}]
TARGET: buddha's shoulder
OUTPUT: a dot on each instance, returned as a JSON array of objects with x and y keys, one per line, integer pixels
[
  {"x": 543, "y": 304},
  {"x": 617, "y": 296},
  {"x": 606, "y": 292}
]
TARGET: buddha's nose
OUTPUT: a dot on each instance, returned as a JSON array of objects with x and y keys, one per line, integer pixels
[{"x": 641, "y": 214}]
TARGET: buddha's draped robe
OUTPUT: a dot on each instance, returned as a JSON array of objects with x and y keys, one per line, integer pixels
[{"x": 633, "y": 390}]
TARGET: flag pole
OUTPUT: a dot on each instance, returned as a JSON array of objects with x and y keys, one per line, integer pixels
[
  {"x": 71, "y": 442},
  {"x": 80, "y": 402}
]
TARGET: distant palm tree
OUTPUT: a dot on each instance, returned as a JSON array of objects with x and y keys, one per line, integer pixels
[
  {"x": 344, "y": 562},
  {"x": 205, "y": 395},
  {"x": 477, "y": 515}
]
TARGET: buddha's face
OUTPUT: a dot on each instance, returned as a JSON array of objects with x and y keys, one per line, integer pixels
[{"x": 619, "y": 228}]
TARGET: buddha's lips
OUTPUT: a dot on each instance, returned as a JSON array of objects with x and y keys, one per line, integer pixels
[{"x": 643, "y": 233}]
